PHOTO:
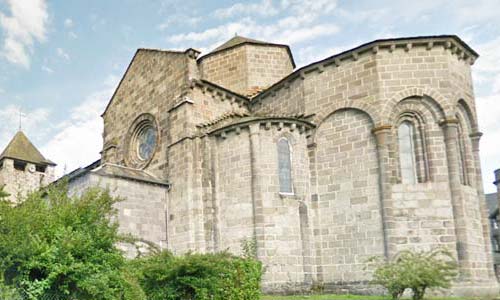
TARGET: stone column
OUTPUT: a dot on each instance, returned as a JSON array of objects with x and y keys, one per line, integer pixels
[
  {"x": 450, "y": 129},
  {"x": 475, "y": 138},
  {"x": 257, "y": 188},
  {"x": 383, "y": 139},
  {"x": 214, "y": 159}
]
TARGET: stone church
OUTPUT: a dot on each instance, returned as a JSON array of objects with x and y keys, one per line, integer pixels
[{"x": 367, "y": 152}]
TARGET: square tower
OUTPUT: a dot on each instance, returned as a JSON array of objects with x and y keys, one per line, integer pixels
[{"x": 23, "y": 168}]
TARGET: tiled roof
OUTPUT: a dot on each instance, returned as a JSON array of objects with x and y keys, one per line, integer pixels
[{"x": 21, "y": 148}]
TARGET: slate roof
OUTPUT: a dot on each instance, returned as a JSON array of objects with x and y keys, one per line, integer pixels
[
  {"x": 21, "y": 148},
  {"x": 112, "y": 170}
]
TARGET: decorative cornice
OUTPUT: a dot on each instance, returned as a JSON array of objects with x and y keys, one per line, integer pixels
[
  {"x": 267, "y": 123},
  {"x": 183, "y": 100},
  {"x": 219, "y": 92},
  {"x": 451, "y": 43}
]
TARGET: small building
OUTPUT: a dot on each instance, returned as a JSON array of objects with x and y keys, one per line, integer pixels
[
  {"x": 23, "y": 168},
  {"x": 492, "y": 201}
]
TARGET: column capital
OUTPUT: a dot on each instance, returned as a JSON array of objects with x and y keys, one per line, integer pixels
[
  {"x": 449, "y": 122},
  {"x": 381, "y": 129},
  {"x": 475, "y": 138},
  {"x": 476, "y": 135}
]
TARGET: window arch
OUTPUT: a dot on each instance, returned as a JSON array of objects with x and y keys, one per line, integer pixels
[
  {"x": 413, "y": 162},
  {"x": 407, "y": 157},
  {"x": 285, "y": 166}
]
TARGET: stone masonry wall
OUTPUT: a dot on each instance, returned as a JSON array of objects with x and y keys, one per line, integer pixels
[
  {"x": 235, "y": 216},
  {"x": 266, "y": 65},
  {"x": 246, "y": 68},
  {"x": 153, "y": 83},
  {"x": 19, "y": 183},
  {"x": 227, "y": 68},
  {"x": 350, "y": 222},
  {"x": 142, "y": 211},
  {"x": 283, "y": 229},
  {"x": 375, "y": 82}
]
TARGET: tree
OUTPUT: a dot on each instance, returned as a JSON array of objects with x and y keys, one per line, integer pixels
[
  {"x": 417, "y": 271},
  {"x": 54, "y": 244}
]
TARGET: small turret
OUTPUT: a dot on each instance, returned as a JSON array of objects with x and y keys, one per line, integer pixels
[{"x": 23, "y": 168}]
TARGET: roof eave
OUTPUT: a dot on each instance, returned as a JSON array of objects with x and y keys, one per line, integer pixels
[{"x": 360, "y": 48}]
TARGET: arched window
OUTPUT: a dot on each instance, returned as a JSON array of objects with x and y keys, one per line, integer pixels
[
  {"x": 407, "y": 161},
  {"x": 284, "y": 166}
]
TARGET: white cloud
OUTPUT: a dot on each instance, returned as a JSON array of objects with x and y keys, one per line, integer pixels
[
  {"x": 489, "y": 122},
  {"x": 263, "y": 8},
  {"x": 62, "y": 54},
  {"x": 78, "y": 140},
  {"x": 32, "y": 123},
  {"x": 68, "y": 23},
  {"x": 487, "y": 72},
  {"x": 476, "y": 11},
  {"x": 180, "y": 19},
  {"x": 47, "y": 69},
  {"x": 25, "y": 25},
  {"x": 302, "y": 23}
]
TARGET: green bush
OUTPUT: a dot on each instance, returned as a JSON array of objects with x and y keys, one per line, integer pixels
[
  {"x": 53, "y": 246},
  {"x": 219, "y": 276},
  {"x": 60, "y": 246},
  {"x": 417, "y": 271}
]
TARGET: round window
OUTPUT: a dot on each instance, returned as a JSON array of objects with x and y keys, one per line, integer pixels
[
  {"x": 146, "y": 143},
  {"x": 142, "y": 141}
]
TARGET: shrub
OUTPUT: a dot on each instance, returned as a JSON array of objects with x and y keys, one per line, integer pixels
[
  {"x": 417, "y": 271},
  {"x": 219, "y": 276},
  {"x": 53, "y": 244}
]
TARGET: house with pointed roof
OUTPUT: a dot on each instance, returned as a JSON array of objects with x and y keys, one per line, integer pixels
[{"x": 23, "y": 168}]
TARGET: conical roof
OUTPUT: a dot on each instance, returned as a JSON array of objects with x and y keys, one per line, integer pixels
[{"x": 21, "y": 148}]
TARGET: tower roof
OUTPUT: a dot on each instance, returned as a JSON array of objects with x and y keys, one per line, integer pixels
[
  {"x": 237, "y": 40},
  {"x": 21, "y": 148}
]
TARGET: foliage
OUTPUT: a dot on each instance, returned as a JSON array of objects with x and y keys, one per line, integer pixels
[
  {"x": 3, "y": 194},
  {"x": 249, "y": 247},
  {"x": 417, "y": 271},
  {"x": 53, "y": 244},
  {"x": 220, "y": 276}
]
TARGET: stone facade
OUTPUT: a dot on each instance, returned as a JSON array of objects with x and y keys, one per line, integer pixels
[{"x": 215, "y": 168}]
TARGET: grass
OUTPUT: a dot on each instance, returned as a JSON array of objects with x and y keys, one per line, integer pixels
[{"x": 355, "y": 297}]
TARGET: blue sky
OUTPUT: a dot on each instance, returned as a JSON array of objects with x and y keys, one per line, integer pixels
[{"x": 61, "y": 60}]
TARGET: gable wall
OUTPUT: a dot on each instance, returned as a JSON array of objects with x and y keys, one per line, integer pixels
[{"x": 153, "y": 84}]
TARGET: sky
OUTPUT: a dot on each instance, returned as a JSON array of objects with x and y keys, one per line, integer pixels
[{"x": 60, "y": 61}]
